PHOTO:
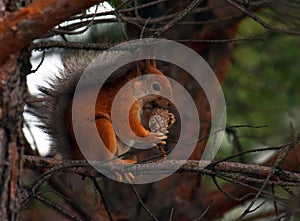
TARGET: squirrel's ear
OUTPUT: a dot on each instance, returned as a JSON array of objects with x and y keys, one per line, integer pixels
[
  {"x": 145, "y": 66},
  {"x": 150, "y": 64},
  {"x": 140, "y": 68},
  {"x": 153, "y": 63}
]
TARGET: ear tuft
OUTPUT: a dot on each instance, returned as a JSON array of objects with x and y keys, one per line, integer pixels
[
  {"x": 150, "y": 64},
  {"x": 146, "y": 66},
  {"x": 140, "y": 68}
]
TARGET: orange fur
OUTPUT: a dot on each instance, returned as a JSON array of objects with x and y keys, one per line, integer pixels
[{"x": 103, "y": 111}]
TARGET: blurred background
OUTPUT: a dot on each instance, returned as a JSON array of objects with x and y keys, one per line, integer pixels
[{"x": 254, "y": 49}]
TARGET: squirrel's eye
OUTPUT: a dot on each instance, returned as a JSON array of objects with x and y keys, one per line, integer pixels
[{"x": 156, "y": 86}]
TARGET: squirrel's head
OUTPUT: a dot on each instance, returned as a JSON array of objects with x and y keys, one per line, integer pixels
[{"x": 152, "y": 83}]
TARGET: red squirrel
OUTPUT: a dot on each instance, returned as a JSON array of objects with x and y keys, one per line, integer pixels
[{"x": 56, "y": 111}]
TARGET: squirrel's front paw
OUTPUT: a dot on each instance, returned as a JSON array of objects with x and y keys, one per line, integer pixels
[
  {"x": 172, "y": 120},
  {"x": 157, "y": 138}
]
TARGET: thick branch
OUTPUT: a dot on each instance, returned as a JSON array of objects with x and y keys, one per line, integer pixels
[
  {"x": 84, "y": 168},
  {"x": 19, "y": 29}
]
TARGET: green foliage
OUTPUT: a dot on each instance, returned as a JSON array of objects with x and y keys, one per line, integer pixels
[
  {"x": 262, "y": 87},
  {"x": 109, "y": 32},
  {"x": 115, "y": 3}
]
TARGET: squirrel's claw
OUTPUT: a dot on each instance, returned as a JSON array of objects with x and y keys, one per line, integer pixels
[
  {"x": 172, "y": 120},
  {"x": 157, "y": 138}
]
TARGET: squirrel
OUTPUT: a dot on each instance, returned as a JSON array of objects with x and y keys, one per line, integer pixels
[{"x": 55, "y": 112}]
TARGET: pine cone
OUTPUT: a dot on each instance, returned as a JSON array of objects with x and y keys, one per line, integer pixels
[{"x": 161, "y": 120}]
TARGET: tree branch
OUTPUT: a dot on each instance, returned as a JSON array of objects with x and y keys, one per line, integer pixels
[
  {"x": 84, "y": 168},
  {"x": 20, "y": 28}
]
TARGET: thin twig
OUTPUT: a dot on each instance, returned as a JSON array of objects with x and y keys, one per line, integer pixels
[
  {"x": 142, "y": 203},
  {"x": 223, "y": 191},
  {"x": 274, "y": 202},
  {"x": 142, "y": 6},
  {"x": 59, "y": 31},
  {"x": 171, "y": 214},
  {"x": 56, "y": 207},
  {"x": 280, "y": 157},
  {"x": 40, "y": 63},
  {"x": 143, "y": 30},
  {"x": 261, "y": 22},
  {"x": 70, "y": 45},
  {"x": 102, "y": 198},
  {"x": 180, "y": 16},
  {"x": 218, "y": 40},
  {"x": 203, "y": 214}
]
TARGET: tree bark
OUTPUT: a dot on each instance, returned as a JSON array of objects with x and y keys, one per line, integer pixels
[{"x": 17, "y": 30}]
